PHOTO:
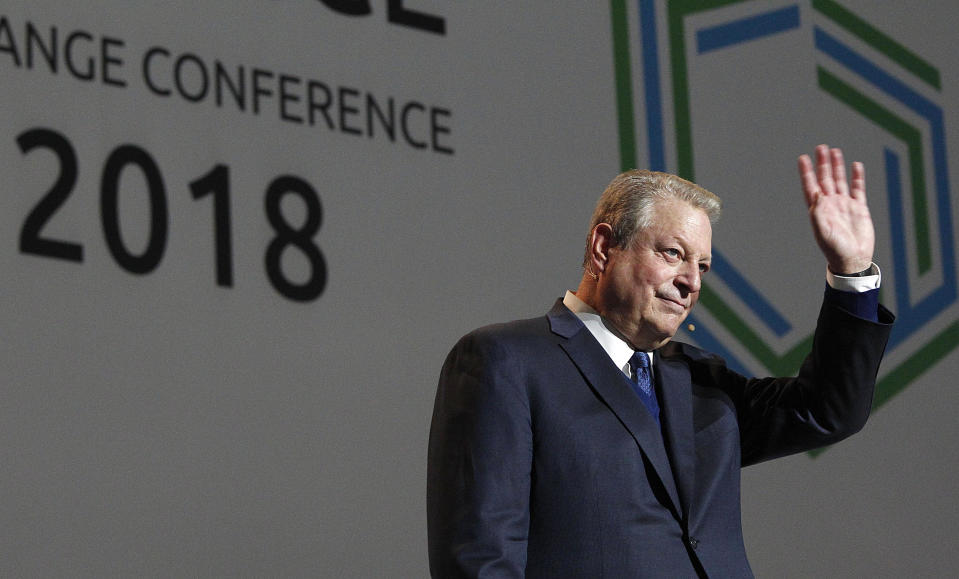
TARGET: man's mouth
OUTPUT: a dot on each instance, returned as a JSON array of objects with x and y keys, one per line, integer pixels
[{"x": 677, "y": 302}]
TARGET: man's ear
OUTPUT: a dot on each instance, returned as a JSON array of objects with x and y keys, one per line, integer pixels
[{"x": 600, "y": 242}]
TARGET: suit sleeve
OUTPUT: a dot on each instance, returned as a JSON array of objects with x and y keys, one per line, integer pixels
[
  {"x": 831, "y": 397},
  {"x": 479, "y": 464}
]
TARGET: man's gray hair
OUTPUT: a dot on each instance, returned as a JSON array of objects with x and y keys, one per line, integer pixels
[{"x": 628, "y": 201}]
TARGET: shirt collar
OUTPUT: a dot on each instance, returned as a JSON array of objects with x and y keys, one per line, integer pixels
[{"x": 617, "y": 348}]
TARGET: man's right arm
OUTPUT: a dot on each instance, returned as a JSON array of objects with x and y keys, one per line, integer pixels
[{"x": 479, "y": 464}]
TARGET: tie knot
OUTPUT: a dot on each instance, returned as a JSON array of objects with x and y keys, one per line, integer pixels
[{"x": 640, "y": 359}]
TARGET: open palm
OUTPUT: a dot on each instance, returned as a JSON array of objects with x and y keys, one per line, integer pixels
[{"x": 838, "y": 211}]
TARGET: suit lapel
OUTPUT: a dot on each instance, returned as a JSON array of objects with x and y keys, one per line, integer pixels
[
  {"x": 608, "y": 383},
  {"x": 674, "y": 390}
]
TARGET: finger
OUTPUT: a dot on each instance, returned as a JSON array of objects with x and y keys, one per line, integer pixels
[
  {"x": 858, "y": 190},
  {"x": 824, "y": 170},
  {"x": 807, "y": 177},
  {"x": 839, "y": 171}
]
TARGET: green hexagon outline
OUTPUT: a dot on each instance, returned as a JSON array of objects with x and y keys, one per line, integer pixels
[{"x": 933, "y": 350}]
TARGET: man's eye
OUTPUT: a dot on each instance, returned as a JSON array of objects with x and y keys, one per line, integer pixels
[
  {"x": 703, "y": 267},
  {"x": 672, "y": 252}
]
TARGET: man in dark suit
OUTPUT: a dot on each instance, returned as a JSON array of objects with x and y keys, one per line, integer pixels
[{"x": 557, "y": 450}]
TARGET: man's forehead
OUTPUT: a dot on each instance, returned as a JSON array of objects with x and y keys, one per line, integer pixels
[{"x": 675, "y": 217}]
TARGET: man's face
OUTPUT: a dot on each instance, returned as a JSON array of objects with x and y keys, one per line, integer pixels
[{"x": 648, "y": 289}]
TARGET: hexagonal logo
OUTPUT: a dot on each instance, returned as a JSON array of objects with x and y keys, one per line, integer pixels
[{"x": 727, "y": 93}]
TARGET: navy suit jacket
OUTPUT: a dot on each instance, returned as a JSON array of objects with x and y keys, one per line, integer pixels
[{"x": 544, "y": 463}]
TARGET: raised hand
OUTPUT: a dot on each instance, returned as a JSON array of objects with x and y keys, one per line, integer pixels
[{"x": 837, "y": 210}]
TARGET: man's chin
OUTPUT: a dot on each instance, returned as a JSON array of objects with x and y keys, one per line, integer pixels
[
  {"x": 668, "y": 330},
  {"x": 663, "y": 335},
  {"x": 673, "y": 319}
]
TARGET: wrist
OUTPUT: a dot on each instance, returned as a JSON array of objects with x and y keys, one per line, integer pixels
[
  {"x": 863, "y": 273},
  {"x": 852, "y": 269}
]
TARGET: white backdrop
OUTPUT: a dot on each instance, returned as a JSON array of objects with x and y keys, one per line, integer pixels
[{"x": 167, "y": 414}]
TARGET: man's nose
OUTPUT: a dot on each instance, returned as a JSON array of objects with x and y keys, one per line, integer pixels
[{"x": 690, "y": 278}]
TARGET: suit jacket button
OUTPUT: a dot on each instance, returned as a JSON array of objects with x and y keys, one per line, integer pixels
[{"x": 693, "y": 543}]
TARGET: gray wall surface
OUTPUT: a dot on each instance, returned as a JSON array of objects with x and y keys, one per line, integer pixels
[{"x": 238, "y": 238}]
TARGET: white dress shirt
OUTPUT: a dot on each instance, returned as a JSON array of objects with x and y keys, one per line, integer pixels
[{"x": 617, "y": 348}]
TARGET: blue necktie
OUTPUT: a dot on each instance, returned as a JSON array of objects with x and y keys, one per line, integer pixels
[{"x": 639, "y": 366}]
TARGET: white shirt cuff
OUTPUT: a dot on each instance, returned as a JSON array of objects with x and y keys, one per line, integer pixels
[{"x": 855, "y": 284}]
